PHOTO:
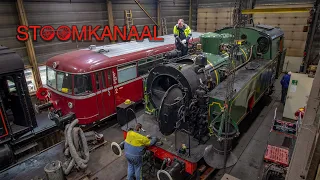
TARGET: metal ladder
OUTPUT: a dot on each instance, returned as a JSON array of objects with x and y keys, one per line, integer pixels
[
  {"x": 129, "y": 20},
  {"x": 164, "y": 26}
]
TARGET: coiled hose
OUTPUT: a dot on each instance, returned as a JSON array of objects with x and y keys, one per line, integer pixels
[{"x": 76, "y": 148}]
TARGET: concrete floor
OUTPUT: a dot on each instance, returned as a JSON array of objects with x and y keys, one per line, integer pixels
[{"x": 103, "y": 164}]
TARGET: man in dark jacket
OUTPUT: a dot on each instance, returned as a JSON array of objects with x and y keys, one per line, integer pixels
[
  {"x": 134, "y": 148},
  {"x": 182, "y": 33},
  {"x": 285, "y": 84}
]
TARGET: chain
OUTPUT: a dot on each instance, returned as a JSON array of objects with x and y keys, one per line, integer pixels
[{"x": 238, "y": 21}]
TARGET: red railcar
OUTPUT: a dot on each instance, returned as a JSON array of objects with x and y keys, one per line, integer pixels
[{"x": 91, "y": 82}]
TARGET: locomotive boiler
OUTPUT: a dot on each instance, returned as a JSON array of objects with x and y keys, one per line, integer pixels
[{"x": 185, "y": 99}]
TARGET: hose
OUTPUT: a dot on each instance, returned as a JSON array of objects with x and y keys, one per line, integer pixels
[{"x": 76, "y": 148}]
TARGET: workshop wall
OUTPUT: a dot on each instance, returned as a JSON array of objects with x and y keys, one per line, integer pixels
[
  {"x": 9, "y": 21},
  {"x": 214, "y": 14},
  {"x": 140, "y": 19},
  {"x": 64, "y": 13},
  {"x": 291, "y": 23},
  {"x": 212, "y": 19},
  {"x": 173, "y": 11}
]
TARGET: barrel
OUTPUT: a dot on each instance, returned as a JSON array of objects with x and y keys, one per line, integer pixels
[{"x": 54, "y": 171}]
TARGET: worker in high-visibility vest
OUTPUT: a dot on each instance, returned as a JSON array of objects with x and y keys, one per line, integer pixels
[
  {"x": 182, "y": 33},
  {"x": 134, "y": 148}
]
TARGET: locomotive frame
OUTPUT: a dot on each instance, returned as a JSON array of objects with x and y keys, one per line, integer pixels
[{"x": 253, "y": 79}]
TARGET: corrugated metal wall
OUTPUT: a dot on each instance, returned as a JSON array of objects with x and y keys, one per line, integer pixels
[
  {"x": 291, "y": 23},
  {"x": 64, "y": 13},
  {"x": 140, "y": 19},
  {"x": 173, "y": 10},
  {"x": 9, "y": 21},
  {"x": 194, "y": 14},
  {"x": 82, "y": 12},
  {"x": 216, "y": 3}
]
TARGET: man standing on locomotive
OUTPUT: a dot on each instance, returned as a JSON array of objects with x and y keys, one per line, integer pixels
[
  {"x": 134, "y": 148},
  {"x": 182, "y": 33}
]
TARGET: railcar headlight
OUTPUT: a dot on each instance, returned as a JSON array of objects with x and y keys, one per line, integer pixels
[{"x": 70, "y": 105}]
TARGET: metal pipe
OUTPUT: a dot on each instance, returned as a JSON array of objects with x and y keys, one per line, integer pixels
[{"x": 41, "y": 107}]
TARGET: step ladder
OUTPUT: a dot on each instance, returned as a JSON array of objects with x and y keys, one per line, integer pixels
[
  {"x": 164, "y": 26},
  {"x": 129, "y": 20}
]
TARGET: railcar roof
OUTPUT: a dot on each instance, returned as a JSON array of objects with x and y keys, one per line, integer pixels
[
  {"x": 86, "y": 60},
  {"x": 10, "y": 61},
  {"x": 133, "y": 46}
]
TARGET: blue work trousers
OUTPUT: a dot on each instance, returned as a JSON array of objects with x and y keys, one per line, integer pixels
[
  {"x": 284, "y": 95},
  {"x": 134, "y": 167}
]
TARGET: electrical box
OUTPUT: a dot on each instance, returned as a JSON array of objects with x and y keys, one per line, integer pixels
[
  {"x": 298, "y": 94},
  {"x": 125, "y": 113}
]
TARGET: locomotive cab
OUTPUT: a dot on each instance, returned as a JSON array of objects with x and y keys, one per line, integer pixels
[
  {"x": 16, "y": 113},
  {"x": 72, "y": 93}
]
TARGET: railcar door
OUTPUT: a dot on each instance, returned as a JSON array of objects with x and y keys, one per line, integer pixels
[
  {"x": 108, "y": 94},
  {"x": 100, "y": 87},
  {"x": 129, "y": 85}
]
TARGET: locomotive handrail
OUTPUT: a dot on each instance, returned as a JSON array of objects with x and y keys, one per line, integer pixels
[{"x": 135, "y": 117}]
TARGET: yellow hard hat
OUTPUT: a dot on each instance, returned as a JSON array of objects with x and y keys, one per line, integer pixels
[{"x": 127, "y": 101}]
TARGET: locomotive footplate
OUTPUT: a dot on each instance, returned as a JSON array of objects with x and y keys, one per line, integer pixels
[{"x": 169, "y": 148}]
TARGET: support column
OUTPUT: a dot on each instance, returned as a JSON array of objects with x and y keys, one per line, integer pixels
[
  {"x": 311, "y": 35},
  {"x": 110, "y": 16},
  {"x": 190, "y": 13},
  {"x": 29, "y": 44},
  {"x": 159, "y": 17}
]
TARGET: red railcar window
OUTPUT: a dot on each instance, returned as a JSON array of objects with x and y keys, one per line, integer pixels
[
  {"x": 103, "y": 79},
  {"x": 100, "y": 84},
  {"x": 51, "y": 78},
  {"x": 97, "y": 80},
  {"x": 109, "y": 77},
  {"x": 64, "y": 82},
  {"x": 82, "y": 84},
  {"x": 127, "y": 72}
]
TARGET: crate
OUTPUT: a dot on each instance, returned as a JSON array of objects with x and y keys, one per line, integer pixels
[
  {"x": 286, "y": 128},
  {"x": 277, "y": 155}
]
